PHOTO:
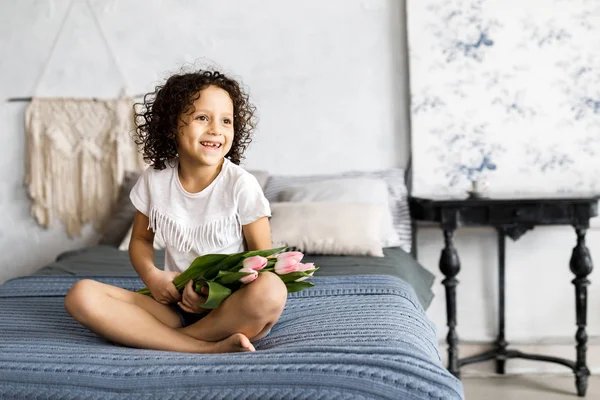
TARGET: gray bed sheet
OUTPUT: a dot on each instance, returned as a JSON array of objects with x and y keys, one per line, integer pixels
[{"x": 109, "y": 261}]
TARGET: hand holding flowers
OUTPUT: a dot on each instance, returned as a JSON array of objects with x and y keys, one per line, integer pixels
[{"x": 222, "y": 274}]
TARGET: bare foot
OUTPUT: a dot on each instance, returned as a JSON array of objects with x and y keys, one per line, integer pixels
[{"x": 237, "y": 342}]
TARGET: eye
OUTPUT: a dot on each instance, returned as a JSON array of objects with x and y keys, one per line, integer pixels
[
  {"x": 227, "y": 121},
  {"x": 202, "y": 118}
]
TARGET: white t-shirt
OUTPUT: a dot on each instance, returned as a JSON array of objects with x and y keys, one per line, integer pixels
[{"x": 207, "y": 222}]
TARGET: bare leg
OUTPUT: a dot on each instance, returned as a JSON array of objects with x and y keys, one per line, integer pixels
[
  {"x": 252, "y": 310},
  {"x": 136, "y": 320}
]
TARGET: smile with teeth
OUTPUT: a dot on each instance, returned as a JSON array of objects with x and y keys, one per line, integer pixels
[{"x": 211, "y": 145}]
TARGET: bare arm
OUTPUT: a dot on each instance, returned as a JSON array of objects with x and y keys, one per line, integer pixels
[
  {"x": 141, "y": 253},
  {"x": 258, "y": 234},
  {"x": 141, "y": 250}
]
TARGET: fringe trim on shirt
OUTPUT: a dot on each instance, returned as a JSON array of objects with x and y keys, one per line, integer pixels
[{"x": 204, "y": 237}]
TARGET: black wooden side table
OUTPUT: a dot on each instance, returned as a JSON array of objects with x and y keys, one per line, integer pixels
[{"x": 512, "y": 217}]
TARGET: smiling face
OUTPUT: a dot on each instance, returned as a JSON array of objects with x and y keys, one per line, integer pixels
[{"x": 206, "y": 135}]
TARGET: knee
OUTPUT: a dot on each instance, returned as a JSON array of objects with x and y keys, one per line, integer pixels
[
  {"x": 80, "y": 298},
  {"x": 267, "y": 295}
]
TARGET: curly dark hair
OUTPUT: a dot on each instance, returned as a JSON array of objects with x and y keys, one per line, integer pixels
[{"x": 156, "y": 118}]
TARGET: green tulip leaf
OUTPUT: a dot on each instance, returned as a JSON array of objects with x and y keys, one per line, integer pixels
[
  {"x": 216, "y": 294},
  {"x": 298, "y": 286},
  {"x": 292, "y": 276},
  {"x": 264, "y": 253},
  {"x": 198, "y": 268},
  {"x": 229, "y": 277},
  {"x": 145, "y": 291}
]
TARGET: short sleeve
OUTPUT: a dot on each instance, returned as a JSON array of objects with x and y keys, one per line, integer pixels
[
  {"x": 140, "y": 193},
  {"x": 251, "y": 201}
]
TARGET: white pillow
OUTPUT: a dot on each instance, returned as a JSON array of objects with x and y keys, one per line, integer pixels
[
  {"x": 348, "y": 190},
  {"x": 328, "y": 228},
  {"x": 397, "y": 194},
  {"x": 158, "y": 244}
]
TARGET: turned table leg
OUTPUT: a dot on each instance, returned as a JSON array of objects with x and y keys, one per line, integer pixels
[
  {"x": 581, "y": 266},
  {"x": 450, "y": 266}
]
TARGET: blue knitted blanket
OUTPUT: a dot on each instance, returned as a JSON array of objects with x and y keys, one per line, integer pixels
[{"x": 349, "y": 337}]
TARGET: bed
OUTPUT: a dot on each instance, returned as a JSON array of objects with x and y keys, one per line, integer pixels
[
  {"x": 350, "y": 337},
  {"x": 360, "y": 333}
]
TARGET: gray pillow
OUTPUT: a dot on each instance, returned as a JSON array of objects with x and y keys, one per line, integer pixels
[
  {"x": 123, "y": 215},
  {"x": 261, "y": 177}
]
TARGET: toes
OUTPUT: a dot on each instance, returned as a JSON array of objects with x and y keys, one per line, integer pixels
[
  {"x": 248, "y": 346},
  {"x": 245, "y": 343}
]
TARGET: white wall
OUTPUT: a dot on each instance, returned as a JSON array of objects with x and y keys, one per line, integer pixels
[{"x": 329, "y": 79}]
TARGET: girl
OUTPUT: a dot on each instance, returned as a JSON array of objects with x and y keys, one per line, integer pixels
[{"x": 193, "y": 131}]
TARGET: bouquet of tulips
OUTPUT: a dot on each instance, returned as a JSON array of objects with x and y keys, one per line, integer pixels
[{"x": 226, "y": 273}]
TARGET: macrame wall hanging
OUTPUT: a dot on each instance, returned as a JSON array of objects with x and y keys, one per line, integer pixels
[{"x": 77, "y": 152}]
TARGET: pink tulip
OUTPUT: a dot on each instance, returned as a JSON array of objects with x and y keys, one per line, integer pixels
[
  {"x": 255, "y": 263},
  {"x": 290, "y": 255},
  {"x": 303, "y": 268},
  {"x": 248, "y": 278},
  {"x": 286, "y": 265}
]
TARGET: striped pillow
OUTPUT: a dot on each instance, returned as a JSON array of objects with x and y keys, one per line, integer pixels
[{"x": 398, "y": 195}]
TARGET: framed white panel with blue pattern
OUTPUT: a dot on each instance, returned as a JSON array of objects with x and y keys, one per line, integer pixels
[{"x": 505, "y": 91}]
